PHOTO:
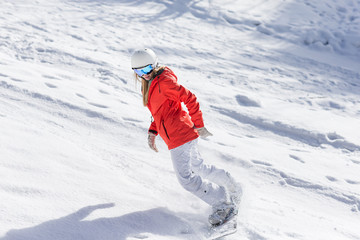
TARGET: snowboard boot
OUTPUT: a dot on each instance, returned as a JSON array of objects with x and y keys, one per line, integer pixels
[{"x": 222, "y": 213}]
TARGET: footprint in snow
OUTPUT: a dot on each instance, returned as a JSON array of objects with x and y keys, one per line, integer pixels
[
  {"x": 261, "y": 163},
  {"x": 250, "y": 136},
  {"x": 50, "y": 77},
  {"x": 132, "y": 120},
  {"x": 352, "y": 182},
  {"x": 17, "y": 80},
  {"x": 104, "y": 92},
  {"x": 355, "y": 161},
  {"x": 81, "y": 96},
  {"x": 334, "y": 137},
  {"x": 50, "y": 85},
  {"x": 98, "y": 105},
  {"x": 246, "y": 102},
  {"x": 332, "y": 179},
  {"x": 296, "y": 158},
  {"x": 140, "y": 236},
  {"x": 328, "y": 105}
]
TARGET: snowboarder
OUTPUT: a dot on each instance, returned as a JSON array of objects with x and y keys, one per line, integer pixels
[{"x": 163, "y": 95}]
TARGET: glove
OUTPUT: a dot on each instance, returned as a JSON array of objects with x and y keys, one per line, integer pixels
[
  {"x": 203, "y": 132},
  {"x": 151, "y": 142}
]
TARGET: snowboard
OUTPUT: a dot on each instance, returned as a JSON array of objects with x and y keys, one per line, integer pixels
[
  {"x": 225, "y": 229},
  {"x": 229, "y": 227}
]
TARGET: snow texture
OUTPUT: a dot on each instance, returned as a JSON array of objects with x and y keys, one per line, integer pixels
[{"x": 278, "y": 83}]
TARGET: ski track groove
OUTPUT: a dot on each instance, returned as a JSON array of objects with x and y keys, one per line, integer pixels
[
  {"x": 61, "y": 104},
  {"x": 284, "y": 179},
  {"x": 302, "y": 135}
]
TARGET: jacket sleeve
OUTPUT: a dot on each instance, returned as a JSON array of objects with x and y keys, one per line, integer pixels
[
  {"x": 153, "y": 128},
  {"x": 177, "y": 92}
]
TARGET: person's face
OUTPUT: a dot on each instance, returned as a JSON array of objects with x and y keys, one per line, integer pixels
[
  {"x": 146, "y": 73},
  {"x": 149, "y": 76}
]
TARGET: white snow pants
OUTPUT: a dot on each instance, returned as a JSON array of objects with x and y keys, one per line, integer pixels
[{"x": 205, "y": 181}]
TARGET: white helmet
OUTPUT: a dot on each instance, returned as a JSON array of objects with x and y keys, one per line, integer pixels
[{"x": 144, "y": 57}]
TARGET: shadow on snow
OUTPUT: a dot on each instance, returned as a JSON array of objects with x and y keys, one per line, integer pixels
[{"x": 157, "y": 221}]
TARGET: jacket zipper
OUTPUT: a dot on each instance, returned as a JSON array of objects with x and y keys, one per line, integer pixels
[{"x": 165, "y": 129}]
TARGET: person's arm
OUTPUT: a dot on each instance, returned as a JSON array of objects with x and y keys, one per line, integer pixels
[
  {"x": 152, "y": 133},
  {"x": 153, "y": 128},
  {"x": 177, "y": 92}
]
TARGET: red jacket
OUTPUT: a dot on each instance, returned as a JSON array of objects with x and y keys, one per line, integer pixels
[{"x": 171, "y": 121}]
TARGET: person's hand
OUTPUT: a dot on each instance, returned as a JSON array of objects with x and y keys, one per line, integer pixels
[
  {"x": 203, "y": 132},
  {"x": 151, "y": 141}
]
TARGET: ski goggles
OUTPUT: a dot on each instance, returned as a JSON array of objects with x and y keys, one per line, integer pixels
[{"x": 142, "y": 71}]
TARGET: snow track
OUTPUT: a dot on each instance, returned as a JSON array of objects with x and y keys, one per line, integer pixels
[{"x": 302, "y": 135}]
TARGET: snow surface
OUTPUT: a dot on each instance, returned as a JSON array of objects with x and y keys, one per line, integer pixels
[{"x": 278, "y": 82}]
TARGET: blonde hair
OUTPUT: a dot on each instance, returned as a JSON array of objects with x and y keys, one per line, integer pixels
[{"x": 145, "y": 85}]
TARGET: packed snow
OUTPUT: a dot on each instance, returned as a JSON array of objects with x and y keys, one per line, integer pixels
[{"x": 278, "y": 83}]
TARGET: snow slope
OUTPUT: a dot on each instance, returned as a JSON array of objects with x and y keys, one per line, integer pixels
[{"x": 278, "y": 83}]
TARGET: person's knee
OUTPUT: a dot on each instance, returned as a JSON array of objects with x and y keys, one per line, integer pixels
[{"x": 190, "y": 182}]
